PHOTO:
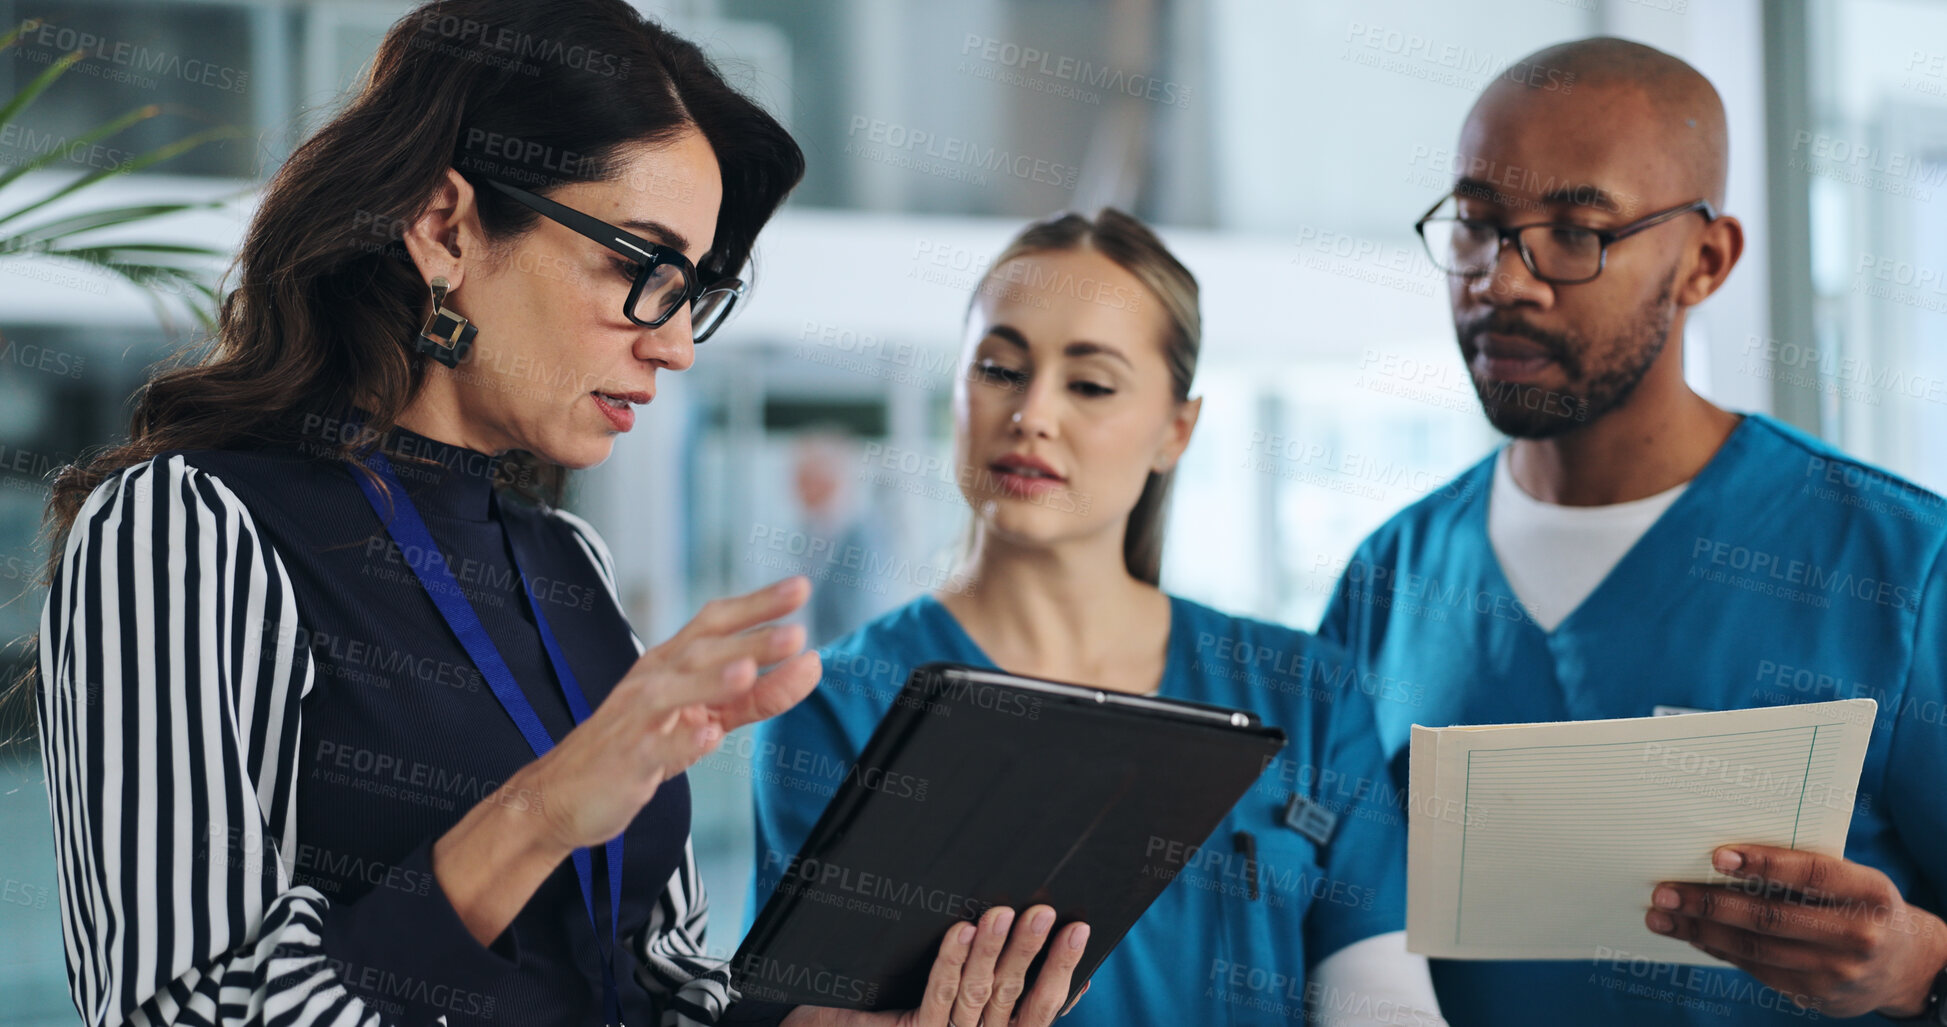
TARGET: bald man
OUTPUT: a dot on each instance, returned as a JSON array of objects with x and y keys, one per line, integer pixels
[{"x": 1636, "y": 549}]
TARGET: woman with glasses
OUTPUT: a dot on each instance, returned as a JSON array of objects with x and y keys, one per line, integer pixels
[
  {"x": 342, "y": 718},
  {"x": 1069, "y": 420}
]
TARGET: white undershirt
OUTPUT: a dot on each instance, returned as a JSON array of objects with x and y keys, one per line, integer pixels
[
  {"x": 1554, "y": 556},
  {"x": 1372, "y": 983}
]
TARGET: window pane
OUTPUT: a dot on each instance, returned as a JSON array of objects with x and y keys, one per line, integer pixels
[{"x": 190, "y": 59}]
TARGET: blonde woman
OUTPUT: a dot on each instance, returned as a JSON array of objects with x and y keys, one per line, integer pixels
[{"x": 1069, "y": 420}]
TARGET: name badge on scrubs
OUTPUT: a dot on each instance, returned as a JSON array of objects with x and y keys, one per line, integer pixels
[
  {"x": 1311, "y": 819},
  {"x": 1674, "y": 711}
]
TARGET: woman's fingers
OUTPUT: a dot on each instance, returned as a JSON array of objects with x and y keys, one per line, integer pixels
[
  {"x": 977, "y": 977},
  {"x": 1010, "y": 974},
  {"x": 943, "y": 981},
  {"x": 732, "y": 614},
  {"x": 779, "y": 689},
  {"x": 714, "y": 671},
  {"x": 967, "y": 985},
  {"x": 1078, "y": 997},
  {"x": 665, "y": 714},
  {"x": 1050, "y": 992},
  {"x": 762, "y": 646},
  {"x": 688, "y": 735}
]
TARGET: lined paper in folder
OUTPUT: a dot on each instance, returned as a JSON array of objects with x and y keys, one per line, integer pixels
[{"x": 1543, "y": 841}]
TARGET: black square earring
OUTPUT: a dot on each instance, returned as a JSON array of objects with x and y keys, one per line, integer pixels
[{"x": 446, "y": 336}]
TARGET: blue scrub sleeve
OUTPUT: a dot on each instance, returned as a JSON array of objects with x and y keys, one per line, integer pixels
[
  {"x": 1917, "y": 761},
  {"x": 802, "y": 757},
  {"x": 1338, "y": 625},
  {"x": 1367, "y": 849},
  {"x": 1335, "y": 625}
]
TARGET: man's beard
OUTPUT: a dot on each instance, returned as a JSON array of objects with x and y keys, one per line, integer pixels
[{"x": 1600, "y": 375}]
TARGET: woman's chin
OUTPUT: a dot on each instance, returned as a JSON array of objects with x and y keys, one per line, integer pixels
[
  {"x": 1024, "y": 523},
  {"x": 581, "y": 452}
]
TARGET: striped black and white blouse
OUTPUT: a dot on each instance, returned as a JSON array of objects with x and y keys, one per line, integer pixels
[{"x": 256, "y": 724}]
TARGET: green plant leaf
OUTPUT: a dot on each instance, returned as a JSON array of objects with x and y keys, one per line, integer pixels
[
  {"x": 142, "y": 113},
  {"x": 139, "y": 263},
  {"x": 133, "y": 164},
  {"x": 37, "y": 236},
  {"x": 39, "y": 83},
  {"x": 155, "y": 280},
  {"x": 141, "y": 257},
  {"x": 160, "y": 248}
]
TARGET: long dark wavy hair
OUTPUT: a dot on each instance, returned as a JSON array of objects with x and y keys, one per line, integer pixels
[{"x": 327, "y": 301}]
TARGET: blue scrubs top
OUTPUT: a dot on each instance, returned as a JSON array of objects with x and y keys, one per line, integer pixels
[
  {"x": 1787, "y": 572},
  {"x": 1206, "y": 952}
]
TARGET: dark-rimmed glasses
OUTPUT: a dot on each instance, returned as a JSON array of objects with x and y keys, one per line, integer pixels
[
  {"x": 664, "y": 278},
  {"x": 1557, "y": 252}
]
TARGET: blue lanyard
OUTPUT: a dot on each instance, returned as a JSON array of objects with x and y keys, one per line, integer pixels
[{"x": 408, "y": 530}]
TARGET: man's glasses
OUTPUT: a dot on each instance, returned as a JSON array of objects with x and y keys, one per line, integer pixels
[
  {"x": 1557, "y": 252},
  {"x": 664, "y": 278}
]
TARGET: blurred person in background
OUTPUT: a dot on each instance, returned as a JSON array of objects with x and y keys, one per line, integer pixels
[
  {"x": 847, "y": 541},
  {"x": 342, "y": 720},
  {"x": 1611, "y": 558},
  {"x": 1069, "y": 419}
]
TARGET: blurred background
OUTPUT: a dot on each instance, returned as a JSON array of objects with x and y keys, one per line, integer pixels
[{"x": 1283, "y": 148}]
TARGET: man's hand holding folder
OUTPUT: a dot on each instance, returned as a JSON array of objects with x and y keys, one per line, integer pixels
[{"x": 1834, "y": 935}]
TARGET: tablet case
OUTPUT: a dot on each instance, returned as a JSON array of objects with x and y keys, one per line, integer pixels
[{"x": 981, "y": 788}]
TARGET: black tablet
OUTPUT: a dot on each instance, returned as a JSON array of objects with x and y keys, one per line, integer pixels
[{"x": 980, "y": 789}]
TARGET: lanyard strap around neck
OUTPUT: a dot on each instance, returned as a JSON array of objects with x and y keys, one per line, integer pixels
[{"x": 408, "y": 530}]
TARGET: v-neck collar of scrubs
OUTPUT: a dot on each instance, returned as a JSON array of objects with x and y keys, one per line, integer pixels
[
  {"x": 1174, "y": 654},
  {"x": 1606, "y": 600}
]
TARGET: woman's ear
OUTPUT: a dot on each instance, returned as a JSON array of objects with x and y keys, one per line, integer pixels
[
  {"x": 447, "y": 236},
  {"x": 1182, "y": 424}
]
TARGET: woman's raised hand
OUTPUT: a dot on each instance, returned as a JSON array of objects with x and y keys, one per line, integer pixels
[
  {"x": 672, "y": 708},
  {"x": 979, "y": 977}
]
